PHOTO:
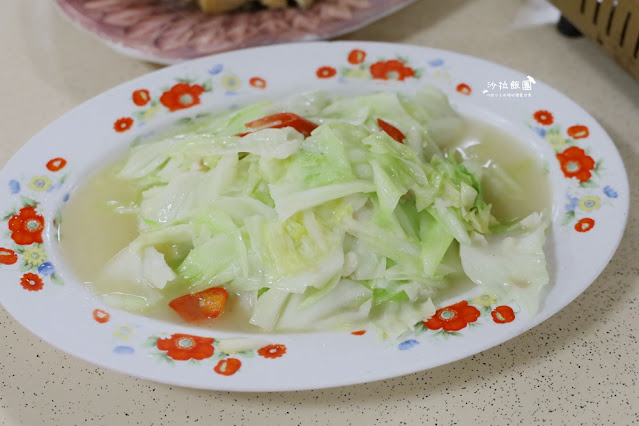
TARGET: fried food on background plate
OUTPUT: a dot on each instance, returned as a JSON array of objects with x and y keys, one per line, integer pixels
[{"x": 228, "y": 5}]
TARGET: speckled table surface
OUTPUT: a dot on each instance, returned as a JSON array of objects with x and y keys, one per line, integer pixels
[{"x": 578, "y": 367}]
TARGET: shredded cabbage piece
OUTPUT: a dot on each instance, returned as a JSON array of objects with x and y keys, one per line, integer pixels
[{"x": 343, "y": 229}]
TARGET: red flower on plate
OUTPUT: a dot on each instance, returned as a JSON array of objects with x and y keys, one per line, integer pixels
[
  {"x": 56, "y": 164},
  {"x": 391, "y": 70},
  {"x": 258, "y": 82},
  {"x": 141, "y": 97},
  {"x": 228, "y": 366},
  {"x": 101, "y": 316},
  {"x": 578, "y": 132},
  {"x": 182, "y": 347},
  {"x": 31, "y": 282},
  {"x": 453, "y": 317},
  {"x": 356, "y": 57},
  {"x": 584, "y": 225},
  {"x": 326, "y": 72},
  {"x": 358, "y": 332},
  {"x": 8, "y": 256},
  {"x": 503, "y": 314},
  {"x": 123, "y": 124},
  {"x": 575, "y": 163},
  {"x": 543, "y": 117},
  {"x": 26, "y": 227},
  {"x": 182, "y": 96},
  {"x": 272, "y": 351},
  {"x": 464, "y": 89}
]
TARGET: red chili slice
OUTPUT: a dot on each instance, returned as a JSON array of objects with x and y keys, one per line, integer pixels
[
  {"x": 198, "y": 306},
  {"x": 391, "y": 130},
  {"x": 281, "y": 120}
]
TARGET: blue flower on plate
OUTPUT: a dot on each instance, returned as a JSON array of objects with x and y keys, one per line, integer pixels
[
  {"x": 610, "y": 193},
  {"x": 216, "y": 69},
  {"x": 65, "y": 198},
  {"x": 14, "y": 186},
  {"x": 540, "y": 131},
  {"x": 46, "y": 268},
  {"x": 436, "y": 62},
  {"x": 407, "y": 344},
  {"x": 123, "y": 350},
  {"x": 571, "y": 203}
]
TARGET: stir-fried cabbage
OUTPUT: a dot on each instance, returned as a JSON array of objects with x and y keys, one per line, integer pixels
[{"x": 343, "y": 229}]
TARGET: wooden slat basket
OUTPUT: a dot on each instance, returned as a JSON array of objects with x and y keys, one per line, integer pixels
[{"x": 614, "y": 24}]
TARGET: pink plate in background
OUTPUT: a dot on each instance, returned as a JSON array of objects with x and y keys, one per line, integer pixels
[{"x": 169, "y": 31}]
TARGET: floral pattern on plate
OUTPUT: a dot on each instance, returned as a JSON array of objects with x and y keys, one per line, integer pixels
[
  {"x": 185, "y": 348},
  {"x": 466, "y": 314},
  {"x": 395, "y": 69},
  {"x": 25, "y": 226},
  {"x": 449, "y": 320},
  {"x": 585, "y": 194},
  {"x": 184, "y": 94}
]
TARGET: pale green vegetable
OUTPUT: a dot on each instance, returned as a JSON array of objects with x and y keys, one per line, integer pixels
[
  {"x": 343, "y": 229},
  {"x": 346, "y": 308},
  {"x": 268, "y": 308},
  {"x": 145, "y": 267},
  {"x": 511, "y": 264}
]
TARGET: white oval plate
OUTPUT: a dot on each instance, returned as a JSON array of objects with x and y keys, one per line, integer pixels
[{"x": 590, "y": 207}]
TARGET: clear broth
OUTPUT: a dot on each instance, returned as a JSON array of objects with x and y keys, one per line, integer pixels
[
  {"x": 496, "y": 150},
  {"x": 91, "y": 233}
]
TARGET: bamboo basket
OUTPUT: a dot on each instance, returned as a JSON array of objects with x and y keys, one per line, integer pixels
[{"x": 614, "y": 24}]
